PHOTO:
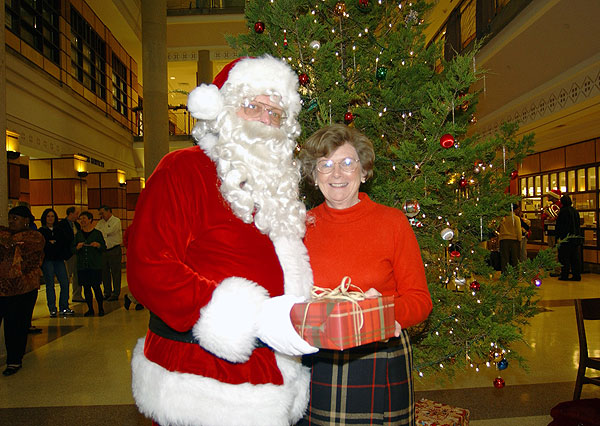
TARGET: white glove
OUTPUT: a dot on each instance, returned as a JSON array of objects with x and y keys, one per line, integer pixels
[{"x": 276, "y": 330}]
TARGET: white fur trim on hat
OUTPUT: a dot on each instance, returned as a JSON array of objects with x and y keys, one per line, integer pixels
[
  {"x": 266, "y": 75},
  {"x": 205, "y": 102},
  {"x": 173, "y": 398},
  {"x": 227, "y": 324}
]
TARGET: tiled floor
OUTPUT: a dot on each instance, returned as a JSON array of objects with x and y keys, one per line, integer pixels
[{"x": 77, "y": 371}]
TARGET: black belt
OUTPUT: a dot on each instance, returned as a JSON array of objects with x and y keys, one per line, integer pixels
[{"x": 160, "y": 328}]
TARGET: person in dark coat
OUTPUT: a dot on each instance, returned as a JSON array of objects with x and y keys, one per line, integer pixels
[
  {"x": 568, "y": 232},
  {"x": 70, "y": 226},
  {"x": 54, "y": 263},
  {"x": 89, "y": 245}
]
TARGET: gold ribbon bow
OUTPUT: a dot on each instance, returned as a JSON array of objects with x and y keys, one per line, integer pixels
[{"x": 341, "y": 293}]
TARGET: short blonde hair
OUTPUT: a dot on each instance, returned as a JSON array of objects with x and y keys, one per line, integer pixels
[{"x": 326, "y": 140}]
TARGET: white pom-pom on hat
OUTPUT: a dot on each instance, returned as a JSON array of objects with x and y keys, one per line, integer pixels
[
  {"x": 205, "y": 102},
  {"x": 265, "y": 75}
]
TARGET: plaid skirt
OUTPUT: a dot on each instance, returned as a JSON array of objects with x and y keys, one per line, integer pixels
[{"x": 367, "y": 385}]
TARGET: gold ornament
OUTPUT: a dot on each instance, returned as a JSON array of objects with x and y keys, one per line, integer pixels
[{"x": 340, "y": 8}]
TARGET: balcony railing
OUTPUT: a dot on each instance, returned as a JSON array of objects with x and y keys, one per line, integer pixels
[
  {"x": 181, "y": 122},
  {"x": 204, "y": 7},
  {"x": 472, "y": 20}
]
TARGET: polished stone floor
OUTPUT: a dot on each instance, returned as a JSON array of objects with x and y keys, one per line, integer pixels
[{"x": 76, "y": 372}]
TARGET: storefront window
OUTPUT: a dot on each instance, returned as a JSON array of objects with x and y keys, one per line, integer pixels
[
  {"x": 562, "y": 181},
  {"x": 524, "y": 187},
  {"x": 581, "y": 180},
  {"x": 571, "y": 180},
  {"x": 538, "y": 185},
  {"x": 591, "y": 178},
  {"x": 530, "y": 188},
  {"x": 545, "y": 184},
  {"x": 553, "y": 181}
]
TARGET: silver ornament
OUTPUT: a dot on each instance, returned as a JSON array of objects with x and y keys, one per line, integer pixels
[
  {"x": 447, "y": 234},
  {"x": 315, "y": 44}
]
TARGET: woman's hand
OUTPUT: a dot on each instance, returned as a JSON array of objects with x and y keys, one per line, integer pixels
[
  {"x": 372, "y": 294},
  {"x": 95, "y": 244},
  {"x": 79, "y": 245}
]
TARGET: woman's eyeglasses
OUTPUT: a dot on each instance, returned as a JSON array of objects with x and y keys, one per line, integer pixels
[
  {"x": 347, "y": 165},
  {"x": 255, "y": 109}
]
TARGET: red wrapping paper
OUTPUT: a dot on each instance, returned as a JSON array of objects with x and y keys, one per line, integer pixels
[
  {"x": 431, "y": 413},
  {"x": 334, "y": 324}
]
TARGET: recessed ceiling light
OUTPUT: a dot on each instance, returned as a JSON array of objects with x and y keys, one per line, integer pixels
[{"x": 172, "y": 78}]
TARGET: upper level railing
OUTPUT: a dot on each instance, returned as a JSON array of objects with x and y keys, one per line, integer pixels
[
  {"x": 472, "y": 19},
  {"x": 180, "y": 121},
  {"x": 469, "y": 20},
  {"x": 204, "y": 7}
]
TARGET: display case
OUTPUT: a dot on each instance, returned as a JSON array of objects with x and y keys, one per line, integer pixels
[{"x": 579, "y": 183}]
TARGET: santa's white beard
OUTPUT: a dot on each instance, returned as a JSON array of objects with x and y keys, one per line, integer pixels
[{"x": 258, "y": 176}]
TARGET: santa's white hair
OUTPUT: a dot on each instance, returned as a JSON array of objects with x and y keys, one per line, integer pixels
[{"x": 259, "y": 176}]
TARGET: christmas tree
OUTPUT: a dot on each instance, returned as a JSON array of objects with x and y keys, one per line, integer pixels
[{"x": 366, "y": 63}]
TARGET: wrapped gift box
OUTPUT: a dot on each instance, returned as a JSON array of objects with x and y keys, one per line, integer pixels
[
  {"x": 431, "y": 413},
  {"x": 334, "y": 324}
]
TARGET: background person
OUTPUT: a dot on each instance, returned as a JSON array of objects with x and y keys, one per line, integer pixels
[
  {"x": 54, "y": 263},
  {"x": 350, "y": 235},
  {"x": 89, "y": 245},
  {"x": 70, "y": 226},
  {"x": 525, "y": 233},
  {"x": 32, "y": 329},
  {"x": 215, "y": 254},
  {"x": 110, "y": 226},
  {"x": 568, "y": 232},
  {"x": 549, "y": 215},
  {"x": 21, "y": 255},
  {"x": 509, "y": 237}
]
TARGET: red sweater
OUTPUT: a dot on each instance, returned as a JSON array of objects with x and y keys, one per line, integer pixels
[{"x": 376, "y": 247}]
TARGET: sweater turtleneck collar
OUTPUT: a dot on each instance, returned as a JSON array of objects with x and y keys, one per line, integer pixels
[{"x": 350, "y": 214}]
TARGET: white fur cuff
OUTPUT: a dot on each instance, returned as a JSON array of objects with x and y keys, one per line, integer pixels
[{"x": 227, "y": 324}]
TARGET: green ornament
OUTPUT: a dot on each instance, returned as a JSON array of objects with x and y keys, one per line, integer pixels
[
  {"x": 312, "y": 105},
  {"x": 381, "y": 73}
]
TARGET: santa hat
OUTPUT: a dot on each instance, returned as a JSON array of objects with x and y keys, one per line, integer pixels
[
  {"x": 554, "y": 193},
  {"x": 261, "y": 76}
]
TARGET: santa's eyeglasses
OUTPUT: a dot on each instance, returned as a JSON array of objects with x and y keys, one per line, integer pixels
[{"x": 255, "y": 109}]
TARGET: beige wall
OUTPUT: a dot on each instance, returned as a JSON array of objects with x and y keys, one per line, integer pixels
[{"x": 54, "y": 121}]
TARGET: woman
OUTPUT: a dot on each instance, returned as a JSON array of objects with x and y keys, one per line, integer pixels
[
  {"x": 350, "y": 235},
  {"x": 54, "y": 263},
  {"x": 509, "y": 236},
  {"x": 21, "y": 254},
  {"x": 89, "y": 245}
]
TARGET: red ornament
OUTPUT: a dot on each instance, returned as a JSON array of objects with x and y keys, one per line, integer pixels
[
  {"x": 447, "y": 141},
  {"x": 348, "y": 117},
  {"x": 475, "y": 286},
  {"x": 499, "y": 383},
  {"x": 454, "y": 254},
  {"x": 462, "y": 182},
  {"x": 285, "y": 42},
  {"x": 514, "y": 174},
  {"x": 259, "y": 27},
  {"x": 303, "y": 79},
  {"x": 363, "y": 3}
]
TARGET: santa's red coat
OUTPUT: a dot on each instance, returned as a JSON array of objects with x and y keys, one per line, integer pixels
[{"x": 198, "y": 267}]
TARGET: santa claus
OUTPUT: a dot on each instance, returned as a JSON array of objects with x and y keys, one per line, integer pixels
[{"x": 215, "y": 253}]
